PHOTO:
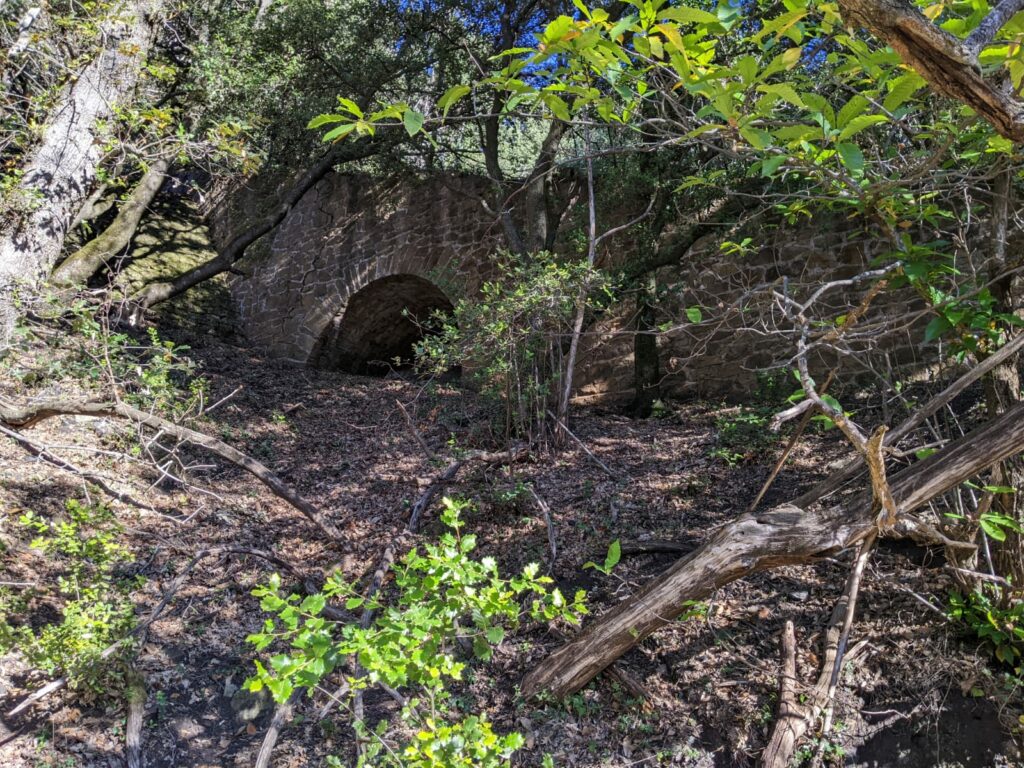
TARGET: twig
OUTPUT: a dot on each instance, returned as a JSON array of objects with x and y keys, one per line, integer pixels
[
  {"x": 808, "y": 413},
  {"x": 580, "y": 443},
  {"x": 546, "y": 511},
  {"x": 24, "y": 416},
  {"x": 43, "y": 453},
  {"x": 415, "y": 432}
]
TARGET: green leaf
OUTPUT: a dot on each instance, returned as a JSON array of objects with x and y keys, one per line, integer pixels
[
  {"x": 694, "y": 315},
  {"x": 413, "y": 121},
  {"x": 746, "y": 68},
  {"x": 350, "y": 106},
  {"x": 993, "y": 531},
  {"x": 557, "y": 106},
  {"x": 756, "y": 137},
  {"x": 614, "y": 555},
  {"x": 785, "y": 91},
  {"x": 852, "y": 157},
  {"x": 451, "y": 96},
  {"x": 340, "y": 132},
  {"x": 495, "y": 635},
  {"x": 313, "y": 604},
  {"x": 685, "y": 15},
  {"x": 321, "y": 120},
  {"x": 858, "y": 124},
  {"x": 855, "y": 107},
  {"x": 817, "y": 103},
  {"x": 768, "y": 169},
  {"x": 938, "y": 326},
  {"x": 901, "y": 89},
  {"x": 624, "y": 23}
]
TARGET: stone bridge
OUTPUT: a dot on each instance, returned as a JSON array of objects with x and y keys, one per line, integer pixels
[
  {"x": 357, "y": 262},
  {"x": 343, "y": 279}
]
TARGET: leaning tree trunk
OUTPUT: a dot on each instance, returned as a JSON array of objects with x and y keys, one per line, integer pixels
[
  {"x": 784, "y": 535},
  {"x": 61, "y": 171},
  {"x": 154, "y": 293},
  {"x": 98, "y": 252}
]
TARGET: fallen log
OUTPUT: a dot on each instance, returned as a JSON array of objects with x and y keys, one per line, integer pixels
[{"x": 784, "y": 535}]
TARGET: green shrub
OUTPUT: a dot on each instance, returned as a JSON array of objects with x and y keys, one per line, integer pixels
[
  {"x": 1000, "y": 628},
  {"x": 95, "y": 610},
  {"x": 512, "y": 338},
  {"x": 444, "y": 599}
]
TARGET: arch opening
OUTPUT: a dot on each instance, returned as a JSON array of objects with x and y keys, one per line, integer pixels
[{"x": 381, "y": 323}]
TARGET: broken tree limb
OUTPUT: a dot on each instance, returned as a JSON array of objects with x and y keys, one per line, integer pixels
[
  {"x": 154, "y": 293},
  {"x": 23, "y": 416},
  {"x": 784, "y": 736},
  {"x": 784, "y": 535},
  {"x": 799, "y": 717},
  {"x": 950, "y": 65},
  {"x": 98, "y": 252}
]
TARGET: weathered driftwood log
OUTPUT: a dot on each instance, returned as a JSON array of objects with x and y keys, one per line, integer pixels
[{"x": 784, "y": 535}]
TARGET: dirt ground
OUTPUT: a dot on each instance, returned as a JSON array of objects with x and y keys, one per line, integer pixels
[{"x": 918, "y": 695}]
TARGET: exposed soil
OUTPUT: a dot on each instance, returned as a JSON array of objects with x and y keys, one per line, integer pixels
[{"x": 918, "y": 696}]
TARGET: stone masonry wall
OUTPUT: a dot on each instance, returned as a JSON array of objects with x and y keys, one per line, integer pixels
[
  {"x": 344, "y": 234},
  {"x": 352, "y": 231}
]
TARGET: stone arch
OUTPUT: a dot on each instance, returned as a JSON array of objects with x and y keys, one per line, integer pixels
[{"x": 378, "y": 323}]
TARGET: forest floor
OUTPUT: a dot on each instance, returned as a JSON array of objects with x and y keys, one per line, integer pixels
[{"x": 917, "y": 696}]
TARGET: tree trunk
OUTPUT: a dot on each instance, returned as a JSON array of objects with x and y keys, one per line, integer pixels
[
  {"x": 87, "y": 260},
  {"x": 61, "y": 171},
  {"x": 785, "y": 535},
  {"x": 646, "y": 367},
  {"x": 154, "y": 293}
]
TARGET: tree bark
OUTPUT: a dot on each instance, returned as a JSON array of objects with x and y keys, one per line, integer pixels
[
  {"x": 949, "y": 64},
  {"x": 91, "y": 257},
  {"x": 61, "y": 171},
  {"x": 784, "y": 535},
  {"x": 646, "y": 366}
]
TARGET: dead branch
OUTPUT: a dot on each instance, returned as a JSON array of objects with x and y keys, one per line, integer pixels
[
  {"x": 590, "y": 453},
  {"x": 417, "y": 435},
  {"x": 784, "y": 535},
  {"x": 282, "y": 714},
  {"x": 23, "y": 416},
  {"x": 545, "y": 510},
  {"x": 797, "y": 719},
  {"x": 133, "y": 725},
  {"x": 43, "y": 454}
]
